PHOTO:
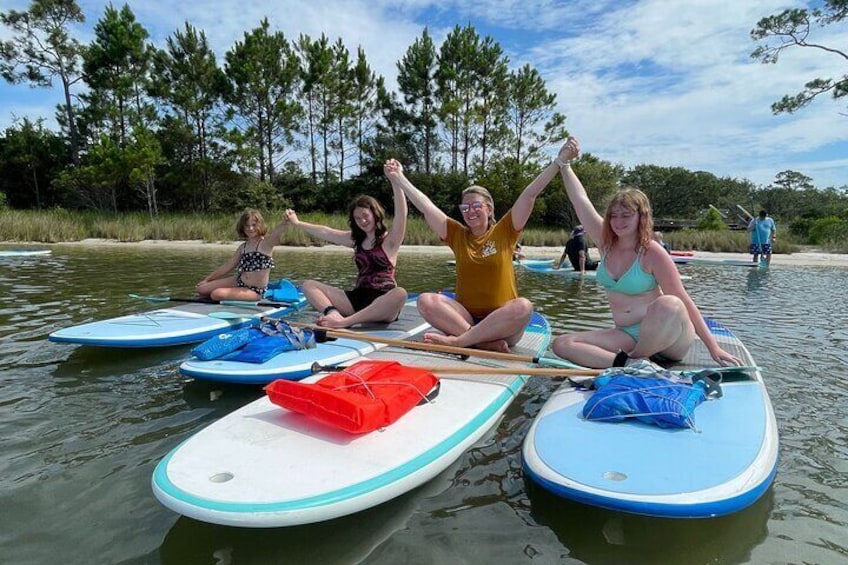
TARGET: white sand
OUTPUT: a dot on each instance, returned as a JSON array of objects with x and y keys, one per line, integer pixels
[{"x": 806, "y": 258}]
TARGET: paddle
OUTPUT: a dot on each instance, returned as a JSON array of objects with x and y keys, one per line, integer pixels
[
  {"x": 465, "y": 351},
  {"x": 238, "y": 303},
  {"x": 478, "y": 370}
]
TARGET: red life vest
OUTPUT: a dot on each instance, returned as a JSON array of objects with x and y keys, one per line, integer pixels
[{"x": 363, "y": 397}]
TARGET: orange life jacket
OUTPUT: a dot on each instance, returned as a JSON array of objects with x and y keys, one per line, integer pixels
[{"x": 363, "y": 397}]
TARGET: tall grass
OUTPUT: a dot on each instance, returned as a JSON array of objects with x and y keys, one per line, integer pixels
[{"x": 54, "y": 226}]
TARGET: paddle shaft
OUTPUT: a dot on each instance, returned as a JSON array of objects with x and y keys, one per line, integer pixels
[
  {"x": 242, "y": 303},
  {"x": 478, "y": 370},
  {"x": 424, "y": 346}
]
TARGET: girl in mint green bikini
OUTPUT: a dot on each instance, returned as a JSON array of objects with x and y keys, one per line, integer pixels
[{"x": 653, "y": 313}]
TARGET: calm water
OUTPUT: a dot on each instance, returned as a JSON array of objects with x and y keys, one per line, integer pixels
[{"x": 82, "y": 429}]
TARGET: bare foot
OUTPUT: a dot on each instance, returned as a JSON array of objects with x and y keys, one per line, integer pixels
[
  {"x": 440, "y": 339},
  {"x": 499, "y": 345},
  {"x": 332, "y": 320}
]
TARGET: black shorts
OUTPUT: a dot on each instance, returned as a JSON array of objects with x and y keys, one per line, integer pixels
[{"x": 363, "y": 297}]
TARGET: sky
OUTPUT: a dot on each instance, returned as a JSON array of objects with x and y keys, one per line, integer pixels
[{"x": 660, "y": 82}]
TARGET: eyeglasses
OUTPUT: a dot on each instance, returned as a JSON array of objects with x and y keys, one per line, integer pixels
[{"x": 476, "y": 206}]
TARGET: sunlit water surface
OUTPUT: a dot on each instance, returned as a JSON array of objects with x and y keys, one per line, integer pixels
[{"x": 81, "y": 430}]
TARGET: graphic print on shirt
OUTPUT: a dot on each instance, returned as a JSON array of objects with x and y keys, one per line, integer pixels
[{"x": 488, "y": 249}]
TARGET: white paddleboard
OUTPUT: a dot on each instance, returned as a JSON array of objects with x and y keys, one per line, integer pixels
[
  {"x": 294, "y": 365},
  {"x": 176, "y": 325},
  {"x": 263, "y": 466},
  {"x": 723, "y": 466},
  {"x": 568, "y": 272},
  {"x": 23, "y": 252}
]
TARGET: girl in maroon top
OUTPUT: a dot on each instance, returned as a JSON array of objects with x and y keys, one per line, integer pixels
[{"x": 376, "y": 296}]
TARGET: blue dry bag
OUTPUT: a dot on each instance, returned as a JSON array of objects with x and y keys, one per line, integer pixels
[{"x": 647, "y": 394}]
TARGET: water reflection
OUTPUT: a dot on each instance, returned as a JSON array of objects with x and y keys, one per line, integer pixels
[
  {"x": 594, "y": 535},
  {"x": 83, "y": 429}
]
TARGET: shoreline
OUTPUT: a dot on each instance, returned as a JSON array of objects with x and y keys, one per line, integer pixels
[{"x": 805, "y": 258}]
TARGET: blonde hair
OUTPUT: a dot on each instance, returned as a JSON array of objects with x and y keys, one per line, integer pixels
[
  {"x": 246, "y": 216},
  {"x": 486, "y": 195},
  {"x": 636, "y": 201}
]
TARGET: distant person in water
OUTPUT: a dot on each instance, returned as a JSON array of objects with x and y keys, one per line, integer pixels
[
  {"x": 487, "y": 312},
  {"x": 577, "y": 252},
  {"x": 252, "y": 262},
  {"x": 652, "y": 312},
  {"x": 518, "y": 253},
  {"x": 658, "y": 237},
  {"x": 376, "y": 297},
  {"x": 762, "y": 230}
]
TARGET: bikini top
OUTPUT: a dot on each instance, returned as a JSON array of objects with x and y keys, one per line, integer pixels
[
  {"x": 634, "y": 281},
  {"x": 254, "y": 260}
]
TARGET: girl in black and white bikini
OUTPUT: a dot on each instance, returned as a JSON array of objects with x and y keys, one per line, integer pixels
[
  {"x": 252, "y": 262},
  {"x": 376, "y": 296}
]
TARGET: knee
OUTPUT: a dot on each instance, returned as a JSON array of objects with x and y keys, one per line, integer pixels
[
  {"x": 399, "y": 293},
  {"x": 667, "y": 307},
  {"x": 308, "y": 286},
  {"x": 520, "y": 308},
  {"x": 427, "y": 303},
  {"x": 562, "y": 345}
]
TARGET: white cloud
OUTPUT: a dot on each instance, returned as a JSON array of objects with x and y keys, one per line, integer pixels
[{"x": 643, "y": 81}]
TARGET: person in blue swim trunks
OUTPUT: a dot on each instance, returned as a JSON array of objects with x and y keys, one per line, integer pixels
[
  {"x": 762, "y": 230},
  {"x": 653, "y": 313}
]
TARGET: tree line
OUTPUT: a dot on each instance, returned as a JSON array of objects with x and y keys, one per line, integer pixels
[{"x": 304, "y": 122}]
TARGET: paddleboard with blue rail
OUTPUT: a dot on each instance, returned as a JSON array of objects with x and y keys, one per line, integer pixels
[
  {"x": 294, "y": 365},
  {"x": 522, "y": 262},
  {"x": 23, "y": 252},
  {"x": 263, "y": 466},
  {"x": 722, "y": 466},
  {"x": 177, "y": 325},
  {"x": 692, "y": 260},
  {"x": 567, "y": 271}
]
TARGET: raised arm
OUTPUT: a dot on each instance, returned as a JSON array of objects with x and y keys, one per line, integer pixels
[
  {"x": 435, "y": 218},
  {"x": 586, "y": 212},
  {"x": 523, "y": 205},
  {"x": 339, "y": 237},
  {"x": 394, "y": 239}
]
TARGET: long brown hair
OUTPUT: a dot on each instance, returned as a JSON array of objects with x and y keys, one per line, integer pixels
[
  {"x": 636, "y": 201},
  {"x": 247, "y": 215},
  {"x": 380, "y": 230}
]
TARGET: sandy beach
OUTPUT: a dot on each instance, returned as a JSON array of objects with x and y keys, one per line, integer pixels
[{"x": 806, "y": 258}]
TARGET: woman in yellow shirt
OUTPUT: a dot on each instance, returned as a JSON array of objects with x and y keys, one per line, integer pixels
[{"x": 487, "y": 312}]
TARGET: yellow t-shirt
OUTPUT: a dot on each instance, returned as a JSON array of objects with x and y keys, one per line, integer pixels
[{"x": 485, "y": 278}]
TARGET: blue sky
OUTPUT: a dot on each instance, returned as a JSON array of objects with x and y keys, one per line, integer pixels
[{"x": 664, "y": 82}]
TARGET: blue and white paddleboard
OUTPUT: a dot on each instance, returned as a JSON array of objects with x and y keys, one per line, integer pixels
[
  {"x": 569, "y": 272},
  {"x": 565, "y": 271},
  {"x": 294, "y": 365},
  {"x": 177, "y": 325},
  {"x": 690, "y": 260},
  {"x": 23, "y": 252},
  {"x": 522, "y": 262},
  {"x": 723, "y": 466},
  {"x": 263, "y": 466}
]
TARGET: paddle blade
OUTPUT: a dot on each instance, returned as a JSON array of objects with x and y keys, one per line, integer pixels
[{"x": 558, "y": 363}]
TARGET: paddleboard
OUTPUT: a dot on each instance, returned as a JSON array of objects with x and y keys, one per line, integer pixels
[
  {"x": 565, "y": 271},
  {"x": 569, "y": 272},
  {"x": 689, "y": 260},
  {"x": 23, "y": 252},
  {"x": 176, "y": 325},
  {"x": 263, "y": 466},
  {"x": 294, "y": 365},
  {"x": 521, "y": 263},
  {"x": 723, "y": 466}
]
